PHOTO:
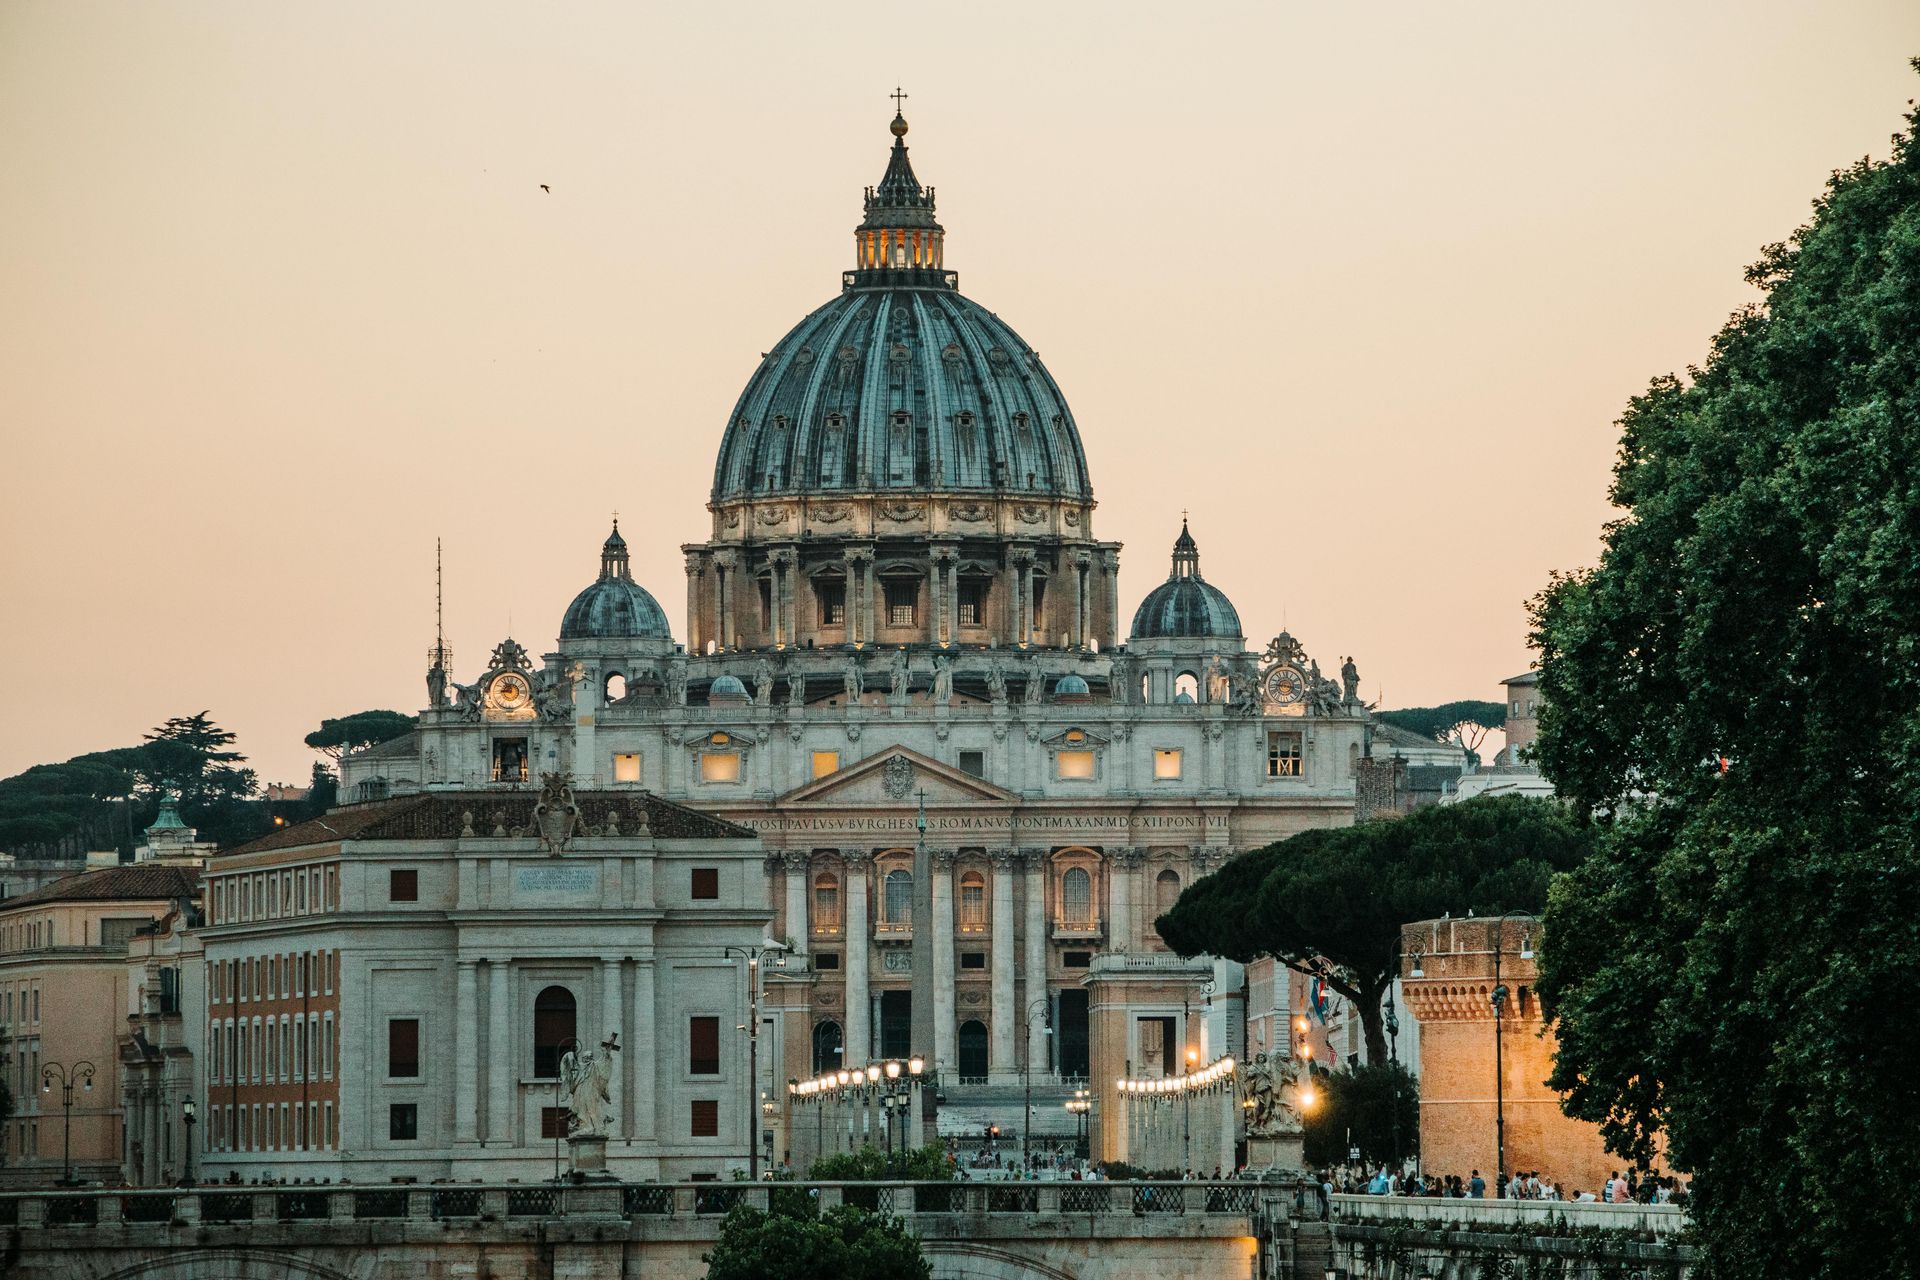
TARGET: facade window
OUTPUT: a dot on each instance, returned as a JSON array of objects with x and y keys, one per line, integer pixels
[
  {"x": 553, "y": 1030},
  {"x": 974, "y": 762},
  {"x": 509, "y": 759},
  {"x": 626, "y": 766},
  {"x": 973, "y": 959},
  {"x": 826, "y": 904},
  {"x": 1166, "y": 891},
  {"x": 826, "y": 1046},
  {"x": 703, "y": 1046},
  {"x": 825, "y": 762},
  {"x": 719, "y": 766},
  {"x": 973, "y": 602},
  {"x": 896, "y": 907},
  {"x": 403, "y": 885},
  {"x": 831, "y": 594},
  {"x": 1186, "y": 684},
  {"x": 403, "y": 1048},
  {"x": 706, "y": 884},
  {"x": 1076, "y": 959},
  {"x": 403, "y": 1121},
  {"x": 1076, "y": 897},
  {"x": 553, "y": 1122},
  {"x": 823, "y": 960},
  {"x": 703, "y": 1118},
  {"x": 973, "y": 902},
  {"x": 1166, "y": 762},
  {"x": 1073, "y": 765},
  {"x": 1283, "y": 755},
  {"x": 902, "y": 595}
]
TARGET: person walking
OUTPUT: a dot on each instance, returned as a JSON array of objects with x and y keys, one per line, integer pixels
[{"x": 1477, "y": 1189}]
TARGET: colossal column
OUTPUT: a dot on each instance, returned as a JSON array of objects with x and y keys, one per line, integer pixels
[
  {"x": 696, "y": 634},
  {"x": 1002, "y": 1064},
  {"x": 1036, "y": 965},
  {"x": 859, "y": 1037},
  {"x": 1120, "y": 865},
  {"x": 645, "y": 1065},
  {"x": 1110, "y": 619},
  {"x": 502, "y": 1079},
  {"x": 850, "y": 594},
  {"x": 610, "y": 1024},
  {"x": 943, "y": 963},
  {"x": 466, "y": 1052},
  {"x": 795, "y": 862}
]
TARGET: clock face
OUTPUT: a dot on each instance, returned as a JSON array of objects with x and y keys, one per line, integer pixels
[
  {"x": 511, "y": 691},
  {"x": 1285, "y": 686}
]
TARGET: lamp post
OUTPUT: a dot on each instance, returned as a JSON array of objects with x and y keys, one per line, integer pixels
[
  {"x": 753, "y": 955},
  {"x": 81, "y": 1074},
  {"x": 1393, "y": 1059},
  {"x": 1042, "y": 1008},
  {"x": 1078, "y": 1106},
  {"x": 1187, "y": 1059},
  {"x": 1499, "y": 1073},
  {"x": 187, "y": 1117}
]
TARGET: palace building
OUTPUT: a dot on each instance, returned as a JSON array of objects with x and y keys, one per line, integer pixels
[{"x": 904, "y": 636}]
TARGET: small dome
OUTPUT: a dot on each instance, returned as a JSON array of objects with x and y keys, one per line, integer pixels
[
  {"x": 1071, "y": 688},
  {"x": 725, "y": 688},
  {"x": 1186, "y": 606},
  {"x": 615, "y": 606},
  {"x": 1183, "y": 699}
]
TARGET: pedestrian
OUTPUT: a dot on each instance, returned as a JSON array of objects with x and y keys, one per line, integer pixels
[{"x": 1477, "y": 1189}]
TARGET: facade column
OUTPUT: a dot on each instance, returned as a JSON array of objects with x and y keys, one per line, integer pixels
[
  {"x": 785, "y": 565},
  {"x": 1002, "y": 1064},
  {"x": 466, "y": 1051},
  {"x": 1036, "y": 965},
  {"x": 859, "y": 1036},
  {"x": 953, "y": 598},
  {"x": 723, "y": 563},
  {"x": 645, "y": 1065},
  {"x": 868, "y": 606},
  {"x": 696, "y": 634},
  {"x": 936, "y": 601},
  {"x": 610, "y": 1022},
  {"x": 798, "y": 934},
  {"x": 1110, "y": 620},
  {"x": 850, "y": 594},
  {"x": 502, "y": 1079},
  {"x": 944, "y": 1047},
  {"x": 1076, "y": 631},
  {"x": 1120, "y": 864}
]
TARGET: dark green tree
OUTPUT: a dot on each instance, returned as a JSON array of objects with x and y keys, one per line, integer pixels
[
  {"x": 335, "y": 738},
  {"x": 1356, "y": 1108},
  {"x": 190, "y": 756},
  {"x": 841, "y": 1244},
  {"x": 1729, "y": 967},
  {"x": 1465, "y": 724},
  {"x": 1334, "y": 899},
  {"x": 870, "y": 1164}
]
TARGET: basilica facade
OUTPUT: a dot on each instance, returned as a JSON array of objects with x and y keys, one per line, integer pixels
[{"x": 905, "y": 642}]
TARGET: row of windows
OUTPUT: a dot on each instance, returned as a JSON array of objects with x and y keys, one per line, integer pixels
[
  {"x": 270, "y": 895},
  {"x": 900, "y": 600},
  {"x": 1074, "y": 905},
  {"x": 27, "y": 996},
  {"x": 29, "y": 935},
  {"x": 275, "y": 977},
  {"x": 289, "y": 1049},
  {"x": 271, "y": 1127}
]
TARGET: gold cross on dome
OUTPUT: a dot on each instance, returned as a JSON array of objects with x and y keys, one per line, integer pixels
[{"x": 898, "y": 98}]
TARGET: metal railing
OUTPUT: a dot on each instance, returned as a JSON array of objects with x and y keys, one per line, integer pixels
[{"x": 1548, "y": 1217}]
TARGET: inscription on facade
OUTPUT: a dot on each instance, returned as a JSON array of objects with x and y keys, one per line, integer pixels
[
  {"x": 855, "y": 822},
  {"x": 556, "y": 883}
]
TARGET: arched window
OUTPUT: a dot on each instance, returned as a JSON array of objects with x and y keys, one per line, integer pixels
[
  {"x": 1146, "y": 688},
  {"x": 973, "y": 902},
  {"x": 897, "y": 907},
  {"x": 826, "y": 904},
  {"x": 553, "y": 1029},
  {"x": 1186, "y": 683},
  {"x": 1076, "y": 897},
  {"x": 1166, "y": 890},
  {"x": 616, "y": 687},
  {"x": 826, "y": 1047}
]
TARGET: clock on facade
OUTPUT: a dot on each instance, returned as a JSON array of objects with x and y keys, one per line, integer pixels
[
  {"x": 511, "y": 691},
  {"x": 1285, "y": 686}
]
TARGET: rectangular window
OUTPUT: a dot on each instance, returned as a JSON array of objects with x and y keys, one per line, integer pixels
[
  {"x": 719, "y": 766},
  {"x": 626, "y": 766},
  {"x": 902, "y": 595},
  {"x": 825, "y": 762},
  {"x": 403, "y": 1048},
  {"x": 1283, "y": 755},
  {"x": 1166, "y": 762},
  {"x": 973, "y": 959},
  {"x": 553, "y": 1123},
  {"x": 509, "y": 759},
  {"x": 706, "y": 884},
  {"x": 832, "y": 594},
  {"x": 1073, "y": 764},
  {"x": 974, "y": 762},
  {"x": 704, "y": 1118},
  {"x": 403, "y": 886},
  {"x": 1076, "y": 959},
  {"x": 703, "y": 1046},
  {"x": 826, "y": 905},
  {"x": 327, "y": 1135},
  {"x": 973, "y": 602},
  {"x": 403, "y": 1121},
  {"x": 823, "y": 960}
]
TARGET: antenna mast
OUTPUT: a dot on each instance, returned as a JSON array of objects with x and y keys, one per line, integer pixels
[{"x": 439, "y": 658}]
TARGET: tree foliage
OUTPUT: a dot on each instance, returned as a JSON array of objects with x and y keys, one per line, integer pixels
[
  {"x": 1729, "y": 966},
  {"x": 335, "y": 738},
  {"x": 843, "y": 1243},
  {"x": 1464, "y": 724},
  {"x": 870, "y": 1164},
  {"x": 1356, "y": 1108},
  {"x": 1338, "y": 896}
]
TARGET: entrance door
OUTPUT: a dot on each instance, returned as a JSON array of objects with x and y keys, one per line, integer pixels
[
  {"x": 1074, "y": 1058},
  {"x": 973, "y": 1052},
  {"x": 896, "y": 1024}
]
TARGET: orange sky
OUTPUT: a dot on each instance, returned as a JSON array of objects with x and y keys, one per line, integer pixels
[{"x": 1365, "y": 286}]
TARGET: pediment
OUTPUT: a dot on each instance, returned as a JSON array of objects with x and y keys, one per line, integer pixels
[{"x": 895, "y": 777}]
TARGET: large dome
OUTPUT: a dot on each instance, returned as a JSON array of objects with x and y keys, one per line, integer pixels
[
  {"x": 900, "y": 383},
  {"x": 1186, "y": 606}
]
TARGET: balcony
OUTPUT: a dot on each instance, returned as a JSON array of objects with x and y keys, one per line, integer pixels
[{"x": 1088, "y": 930}]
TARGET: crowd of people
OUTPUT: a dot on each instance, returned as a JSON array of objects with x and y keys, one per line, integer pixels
[{"x": 1621, "y": 1187}]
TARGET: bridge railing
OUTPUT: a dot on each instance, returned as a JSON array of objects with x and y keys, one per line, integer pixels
[
  {"x": 1546, "y": 1217},
  {"x": 457, "y": 1203}
]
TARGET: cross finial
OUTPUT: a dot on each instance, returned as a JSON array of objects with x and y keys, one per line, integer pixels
[{"x": 898, "y": 97}]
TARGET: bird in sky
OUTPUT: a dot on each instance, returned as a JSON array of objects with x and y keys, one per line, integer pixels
[{"x": 544, "y": 187}]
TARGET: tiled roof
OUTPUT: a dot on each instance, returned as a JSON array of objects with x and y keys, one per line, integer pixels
[
  {"x": 139, "y": 882},
  {"x": 1401, "y": 737},
  {"x": 443, "y": 815},
  {"x": 404, "y": 747},
  {"x": 1525, "y": 677}
]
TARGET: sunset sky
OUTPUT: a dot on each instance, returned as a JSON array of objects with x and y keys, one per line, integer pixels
[{"x": 1365, "y": 287}]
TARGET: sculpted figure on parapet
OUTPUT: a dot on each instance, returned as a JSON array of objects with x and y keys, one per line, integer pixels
[
  {"x": 584, "y": 1077},
  {"x": 997, "y": 685},
  {"x": 763, "y": 683},
  {"x": 850, "y": 677},
  {"x": 942, "y": 680},
  {"x": 677, "y": 684},
  {"x": 898, "y": 673}
]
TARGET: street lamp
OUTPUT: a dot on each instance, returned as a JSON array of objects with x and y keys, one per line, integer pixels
[
  {"x": 1078, "y": 1106},
  {"x": 1186, "y": 1119},
  {"x": 81, "y": 1074},
  {"x": 752, "y": 955},
  {"x": 1042, "y": 1008},
  {"x": 1393, "y": 1058},
  {"x": 187, "y": 1117},
  {"x": 1499, "y": 1074}
]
